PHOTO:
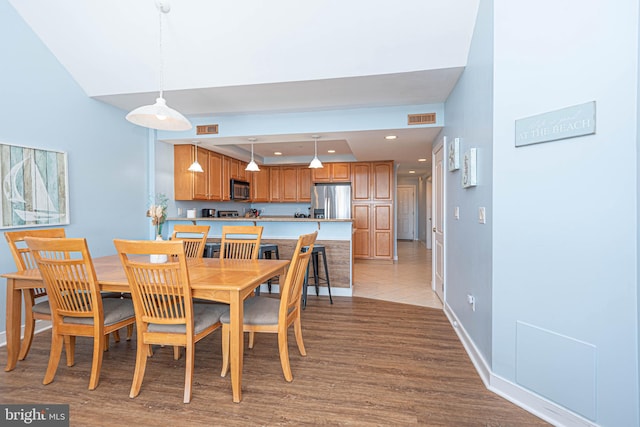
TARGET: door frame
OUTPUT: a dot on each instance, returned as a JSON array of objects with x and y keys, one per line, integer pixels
[{"x": 439, "y": 149}]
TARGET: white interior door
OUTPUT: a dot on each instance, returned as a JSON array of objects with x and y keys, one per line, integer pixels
[
  {"x": 438, "y": 223},
  {"x": 406, "y": 212}
]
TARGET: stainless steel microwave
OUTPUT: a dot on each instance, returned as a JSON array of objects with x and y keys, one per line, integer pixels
[{"x": 240, "y": 190}]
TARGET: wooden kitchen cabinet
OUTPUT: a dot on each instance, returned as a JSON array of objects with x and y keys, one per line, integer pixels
[
  {"x": 196, "y": 185},
  {"x": 260, "y": 183},
  {"x": 361, "y": 181},
  {"x": 215, "y": 176},
  {"x": 372, "y": 210},
  {"x": 275, "y": 185},
  {"x": 382, "y": 180},
  {"x": 304, "y": 184},
  {"x": 373, "y": 231},
  {"x": 289, "y": 183},
  {"x": 332, "y": 172},
  {"x": 362, "y": 230}
]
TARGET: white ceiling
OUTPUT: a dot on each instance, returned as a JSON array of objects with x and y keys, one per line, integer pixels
[{"x": 243, "y": 57}]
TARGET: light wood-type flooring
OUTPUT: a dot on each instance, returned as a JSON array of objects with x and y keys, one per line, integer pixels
[
  {"x": 369, "y": 362},
  {"x": 407, "y": 281}
]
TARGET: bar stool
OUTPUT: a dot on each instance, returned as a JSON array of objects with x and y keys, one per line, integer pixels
[
  {"x": 212, "y": 250},
  {"x": 317, "y": 279},
  {"x": 268, "y": 251}
]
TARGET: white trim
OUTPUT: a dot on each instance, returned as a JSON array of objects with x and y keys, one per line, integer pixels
[
  {"x": 41, "y": 325},
  {"x": 525, "y": 399}
]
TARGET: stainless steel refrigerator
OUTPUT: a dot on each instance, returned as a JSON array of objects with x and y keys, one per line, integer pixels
[{"x": 331, "y": 201}]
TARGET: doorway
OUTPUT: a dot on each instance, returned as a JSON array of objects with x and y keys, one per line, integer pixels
[{"x": 406, "y": 212}]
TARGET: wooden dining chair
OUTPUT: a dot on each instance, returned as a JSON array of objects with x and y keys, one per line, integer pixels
[
  {"x": 77, "y": 307},
  {"x": 272, "y": 315},
  {"x": 36, "y": 306},
  {"x": 240, "y": 241},
  {"x": 194, "y": 238},
  {"x": 165, "y": 312}
]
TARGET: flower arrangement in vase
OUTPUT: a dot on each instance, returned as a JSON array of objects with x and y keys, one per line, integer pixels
[{"x": 158, "y": 212}]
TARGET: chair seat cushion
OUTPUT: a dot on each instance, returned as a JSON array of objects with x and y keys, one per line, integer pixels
[
  {"x": 42, "y": 307},
  {"x": 258, "y": 311},
  {"x": 204, "y": 315},
  {"x": 115, "y": 310}
]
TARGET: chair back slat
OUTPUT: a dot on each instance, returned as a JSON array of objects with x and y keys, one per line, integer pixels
[
  {"x": 68, "y": 273},
  {"x": 21, "y": 254},
  {"x": 194, "y": 238},
  {"x": 161, "y": 292},
  {"x": 291, "y": 291},
  {"x": 240, "y": 241}
]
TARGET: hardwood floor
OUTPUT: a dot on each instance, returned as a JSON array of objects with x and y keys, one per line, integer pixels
[{"x": 369, "y": 363}]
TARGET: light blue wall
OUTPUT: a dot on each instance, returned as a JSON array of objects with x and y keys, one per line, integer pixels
[
  {"x": 565, "y": 280},
  {"x": 41, "y": 106},
  {"x": 469, "y": 243},
  {"x": 554, "y": 271}
]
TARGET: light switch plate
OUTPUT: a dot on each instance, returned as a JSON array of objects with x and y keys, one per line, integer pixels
[
  {"x": 482, "y": 215},
  {"x": 456, "y": 212}
]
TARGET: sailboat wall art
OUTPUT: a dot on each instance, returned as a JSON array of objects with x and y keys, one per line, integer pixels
[{"x": 34, "y": 187}]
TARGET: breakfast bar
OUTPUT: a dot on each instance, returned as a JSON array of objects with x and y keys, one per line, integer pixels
[{"x": 335, "y": 234}]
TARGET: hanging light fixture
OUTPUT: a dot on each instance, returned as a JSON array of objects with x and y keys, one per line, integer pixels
[
  {"x": 195, "y": 166},
  {"x": 159, "y": 115},
  {"x": 315, "y": 163},
  {"x": 252, "y": 166}
]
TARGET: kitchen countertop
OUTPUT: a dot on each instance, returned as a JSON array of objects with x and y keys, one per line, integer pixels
[{"x": 260, "y": 219}]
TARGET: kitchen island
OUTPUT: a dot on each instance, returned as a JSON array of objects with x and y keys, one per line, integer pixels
[{"x": 335, "y": 234}]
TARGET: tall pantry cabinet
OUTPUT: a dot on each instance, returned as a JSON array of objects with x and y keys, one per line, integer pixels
[{"x": 372, "y": 210}]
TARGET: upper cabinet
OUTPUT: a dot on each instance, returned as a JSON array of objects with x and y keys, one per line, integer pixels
[
  {"x": 382, "y": 180},
  {"x": 332, "y": 172},
  {"x": 304, "y": 184},
  {"x": 361, "y": 181},
  {"x": 260, "y": 183},
  {"x": 371, "y": 181},
  {"x": 189, "y": 185}
]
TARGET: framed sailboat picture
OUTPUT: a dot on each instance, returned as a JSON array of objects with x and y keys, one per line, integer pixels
[{"x": 34, "y": 187}]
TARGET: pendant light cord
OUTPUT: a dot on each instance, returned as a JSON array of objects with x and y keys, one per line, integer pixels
[{"x": 160, "y": 13}]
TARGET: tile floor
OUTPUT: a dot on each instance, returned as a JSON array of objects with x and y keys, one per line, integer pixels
[{"x": 406, "y": 281}]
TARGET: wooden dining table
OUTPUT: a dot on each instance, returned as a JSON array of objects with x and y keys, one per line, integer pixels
[{"x": 228, "y": 281}]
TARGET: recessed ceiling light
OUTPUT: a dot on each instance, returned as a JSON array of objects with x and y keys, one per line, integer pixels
[
  {"x": 331, "y": 151},
  {"x": 422, "y": 160},
  {"x": 412, "y": 171},
  {"x": 390, "y": 137},
  {"x": 277, "y": 153}
]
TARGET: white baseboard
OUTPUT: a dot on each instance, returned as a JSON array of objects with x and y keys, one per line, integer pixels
[
  {"x": 41, "y": 325},
  {"x": 526, "y": 399}
]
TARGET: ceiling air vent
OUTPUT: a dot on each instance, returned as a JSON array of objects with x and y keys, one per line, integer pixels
[
  {"x": 207, "y": 130},
  {"x": 422, "y": 119}
]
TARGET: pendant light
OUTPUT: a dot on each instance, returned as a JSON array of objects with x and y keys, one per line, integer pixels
[
  {"x": 159, "y": 115},
  {"x": 195, "y": 166},
  {"x": 315, "y": 163},
  {"x": 252, "y": 166}
]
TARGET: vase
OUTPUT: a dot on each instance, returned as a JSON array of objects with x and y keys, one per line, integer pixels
[{"x": 158, "y": 259}]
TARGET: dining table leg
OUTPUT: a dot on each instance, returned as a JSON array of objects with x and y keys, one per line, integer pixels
[
  {"x": 236, "y": 309},
  {"x": 14, "y": 308}
]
